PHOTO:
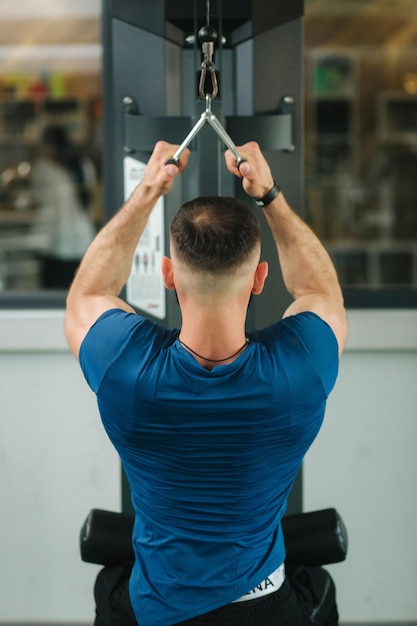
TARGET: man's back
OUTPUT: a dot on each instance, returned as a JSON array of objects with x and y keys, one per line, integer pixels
[
  {"x": 210, "y": 455},
  {"x": 210, "y": 451}
]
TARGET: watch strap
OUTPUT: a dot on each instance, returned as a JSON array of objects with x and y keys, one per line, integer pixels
[{"x": 268, "y": 197}]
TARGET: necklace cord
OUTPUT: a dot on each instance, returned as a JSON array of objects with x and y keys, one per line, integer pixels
[{"x": 214, "y": 360}]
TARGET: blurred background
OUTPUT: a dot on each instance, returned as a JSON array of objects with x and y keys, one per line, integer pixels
[
  {"x": 360, "y": 129},
  {"x": 50, "y": 75},
  {"x": 361, "y": 177},
  {"x": 361, "y": 137}
]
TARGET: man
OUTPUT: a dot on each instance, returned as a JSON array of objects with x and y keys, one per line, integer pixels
[{"x": 211, "y": 424}]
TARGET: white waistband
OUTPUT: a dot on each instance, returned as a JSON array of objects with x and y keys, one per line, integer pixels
[{"x": 271, "y": 584}]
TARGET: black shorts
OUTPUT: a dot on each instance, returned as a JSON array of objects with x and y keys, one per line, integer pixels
[{"x": 306, "y": 597}]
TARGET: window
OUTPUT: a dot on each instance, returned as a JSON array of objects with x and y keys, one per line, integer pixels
[
  {"x": 361, "y": 144},
  {"x": 50, "y": 150}
]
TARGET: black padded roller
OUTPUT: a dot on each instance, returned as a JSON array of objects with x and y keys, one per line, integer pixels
[
  {"x": 315, "y": 538},
  {"x": 106, "y": 538},
  {"x": 311, "y": 539}
]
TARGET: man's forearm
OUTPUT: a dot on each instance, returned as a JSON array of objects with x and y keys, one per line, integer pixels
[
  {"x": 305, "y": 264},
  {"x": 106, "y": 265}
]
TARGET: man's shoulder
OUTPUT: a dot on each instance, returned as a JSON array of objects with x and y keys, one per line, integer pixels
[
  {"x": 303, "y": 335},
  {"x": 115, "y": 336},
  {"x": 293, "y": 324},
  {"x": 118, "y": 324}
]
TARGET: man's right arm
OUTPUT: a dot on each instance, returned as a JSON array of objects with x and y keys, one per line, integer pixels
[{"x": 307, "y": 270}]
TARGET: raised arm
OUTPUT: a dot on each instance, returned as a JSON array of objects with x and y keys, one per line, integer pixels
[
  {"x": 308, "y": 272},
  {"x": 106, "y": 265}
]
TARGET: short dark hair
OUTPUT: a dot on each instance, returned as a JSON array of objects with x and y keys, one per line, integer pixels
[{"x": 215, "y": 233}]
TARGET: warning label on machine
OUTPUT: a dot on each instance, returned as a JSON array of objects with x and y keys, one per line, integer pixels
[{"x": 145, "y": 289}]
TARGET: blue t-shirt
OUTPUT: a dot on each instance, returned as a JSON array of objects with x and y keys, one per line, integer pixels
[{"x": 210, "y": 456}]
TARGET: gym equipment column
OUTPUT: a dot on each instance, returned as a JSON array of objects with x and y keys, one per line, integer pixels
[{"x": 151, "y": 59}]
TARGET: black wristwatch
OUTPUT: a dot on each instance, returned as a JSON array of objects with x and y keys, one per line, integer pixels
[{"x": 268, "y": 197}]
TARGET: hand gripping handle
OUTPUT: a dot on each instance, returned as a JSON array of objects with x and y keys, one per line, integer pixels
[{"x": 207, "y": 118}]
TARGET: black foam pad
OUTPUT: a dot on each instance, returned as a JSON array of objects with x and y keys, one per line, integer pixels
[
  {"x": 315, "y": 538},
  {"x": 311, "y": 539},
  {"x": 106, "y": 538}
]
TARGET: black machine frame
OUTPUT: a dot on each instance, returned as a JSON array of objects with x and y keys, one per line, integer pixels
[{"x": 151, "y": 64}]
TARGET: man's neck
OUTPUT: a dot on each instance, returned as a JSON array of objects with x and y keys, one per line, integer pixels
[{"x": 214, "y": 336}]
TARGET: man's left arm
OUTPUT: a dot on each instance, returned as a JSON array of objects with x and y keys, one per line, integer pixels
[{"x": 106, "y": 265}]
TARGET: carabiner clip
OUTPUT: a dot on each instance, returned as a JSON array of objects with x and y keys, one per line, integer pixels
[
  {"x": 208, "y": 35},
  {"x": 207, "y": 67}
]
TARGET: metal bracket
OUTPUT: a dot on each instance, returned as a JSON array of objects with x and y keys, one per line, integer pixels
[
  {"x": 271, "y": 131},
  {"x": 274, "y": 131}
]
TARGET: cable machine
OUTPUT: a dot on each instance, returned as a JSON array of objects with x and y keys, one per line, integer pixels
[
  {"x": 203, "y": 75},
  {"x": 274, "y": 132}
]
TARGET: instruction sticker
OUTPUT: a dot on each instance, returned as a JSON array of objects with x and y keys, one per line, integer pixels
[{"x": 145, "y": 289}]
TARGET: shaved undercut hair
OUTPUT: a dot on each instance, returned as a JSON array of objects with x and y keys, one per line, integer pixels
[{"x": 215, "y": 234}]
